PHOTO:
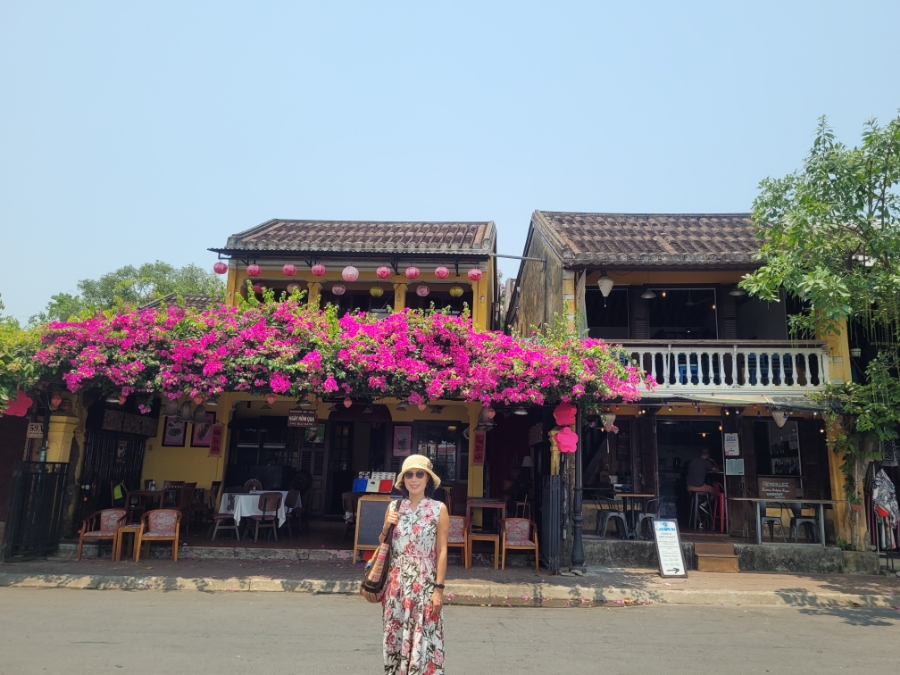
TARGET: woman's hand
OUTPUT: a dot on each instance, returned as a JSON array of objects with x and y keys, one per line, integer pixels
[
  {"x": 392, "y": 519},
  {"x": 435, "y": 604}
]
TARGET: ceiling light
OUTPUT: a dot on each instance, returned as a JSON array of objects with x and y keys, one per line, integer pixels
[
  {"x": 171, "y": 408},
  {"x": 186, "y": 411},
  {"x": 605, "y": 284},
  {"x": 648, "y": 294},
  {"x": 737, "y": 292},
  {"x": 199, "y": 415},
  {"x": 520, "y": 411},
  {"x": 401, "y": 406}
]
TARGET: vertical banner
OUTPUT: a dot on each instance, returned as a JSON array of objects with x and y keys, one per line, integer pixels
[
  {"x": 215, "y": 440},
  {"x": 478, "y": 454}
]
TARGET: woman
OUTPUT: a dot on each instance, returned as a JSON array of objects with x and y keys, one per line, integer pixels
[{"x": 414, "y": 593}]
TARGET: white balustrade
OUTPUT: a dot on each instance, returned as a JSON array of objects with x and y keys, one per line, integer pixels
[{"x": 760, "y": 366}]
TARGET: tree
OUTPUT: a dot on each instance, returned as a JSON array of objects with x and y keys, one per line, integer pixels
[
  {"x": 831, "y": 239},
  {"x": 131, "y": 286}
]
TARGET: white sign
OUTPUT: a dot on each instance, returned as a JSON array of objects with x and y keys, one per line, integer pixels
[
  {"x": 668, "y": 548},
  {"x": 35, "y": 430},
  {"x": 732, "y": 447},
  {"x": 734, "y": 467}
]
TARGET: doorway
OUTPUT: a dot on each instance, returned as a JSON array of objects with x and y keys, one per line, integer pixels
[{"x": 679, "y": 442}]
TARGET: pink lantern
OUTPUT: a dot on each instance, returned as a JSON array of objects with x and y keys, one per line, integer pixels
[
  {"x": 567, "y": 440},
  {"x": 220, "y": 268},
  {"x": 491, "y": 413},
  {"x": 198, "y": 400},
  {"x": 348, "y": 402},
  {"x": 55, "y": 400},
  {"x": 292, "y": 288},
  {"x": 475, "y": 274},
  {"x": 289, "y": 270},
  {"x": 19, "y": 406},
  {"x": 318, "y": 270},
  {"x": 350, "y": 273},
  {"x": 122, "y": 399},
  {"x": 412, "y": 272},
  {"x": 254, "y": 270},
  {"x": 257, "y": 288},
  {"x": 423, "y": 291},
  {"x": 383, "y": 272},
  {"x": 422, "y": 406},
  {"x": 271, "y": 398},
  {"x": 565, "y": 414},
  {"x": 339, "y": 289},
  {"x": 442, "y": 272}
]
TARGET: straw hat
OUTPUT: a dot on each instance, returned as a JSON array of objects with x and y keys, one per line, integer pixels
[{"x": 417, "y": 462}]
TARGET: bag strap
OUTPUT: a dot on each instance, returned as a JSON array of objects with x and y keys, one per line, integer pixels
[{"x": 390, "y": 532}]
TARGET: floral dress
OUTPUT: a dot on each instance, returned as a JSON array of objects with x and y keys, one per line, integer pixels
[{"x": 413, "y": 641}]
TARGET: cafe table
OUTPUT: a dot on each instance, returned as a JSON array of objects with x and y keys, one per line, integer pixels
[
  {"x": 493, "y": 537},
  {"x": 629, "y": 505},
  {"x": 820, "y": 505},
  {"x": 144, "y": 499},
  {"x": 244, "y": 505},
  {"x": 130, "y": 528}
]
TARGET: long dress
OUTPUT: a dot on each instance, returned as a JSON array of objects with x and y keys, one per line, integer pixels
[{"x": 413, "y": 640}]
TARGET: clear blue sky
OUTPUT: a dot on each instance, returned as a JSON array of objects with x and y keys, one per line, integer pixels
[{"x": 131, "y": 132}]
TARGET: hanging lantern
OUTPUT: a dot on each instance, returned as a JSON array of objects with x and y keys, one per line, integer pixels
[
  {"x": 55, "y": 400},
  {"x": 271, "y": 398},
  {"x": 376, "y": 291},
  {"x": 257, "y": 288},
  {"x": 412, "y": 272},
  {"x": 456, "y": 291},
  {"x": 198, "y": 400},
  {"x": 254, "y": 270},
  {"x": 422, "y": 406},
  {"x": 339, "y": 289},
  {"x": 293, "y": 288},
  {"x": 348, "y": 402},
  {"x": 442, "y": 272},
  {"x": 172, "y": 407},
  {"x": 383, "y": 272},
  {"x": 350, "y": 273},
  {"x": 220, "y": 268},
  {"x": 491, "y": 413},
  {"x": 289, "y": 270},
  {"x": 564, "y": 414},
  {"x": 122, "y": 399},
  {"x": 200, "y": 415},
  {"x": 567, "y": 440},
  {"x": 318, "y": 270},
  {"x": 185, "y": 413},
  {"x": 475, "y": 274},
  {"x": 423, "y": 291}
]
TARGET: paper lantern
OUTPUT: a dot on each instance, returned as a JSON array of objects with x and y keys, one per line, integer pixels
[
  {"x": 423, "y": 291},
  {"x": 456, "y": 291},
  {"x": 198, "y": 400},
  {"x": 475, "y": 274},
  {"x": 412, "y": 272},
  {"x": 350, "y": 273},
  {"x": 19, "y": 406},
  {"x": 339, "y": 289},
  {"x": 376, "y": 291},
  {"x": 271, "y": 398},
  {"x": 55, "y": 400},
  {"x": 564, "y": 414},
  {"x": 293, "y": 288},
  {"x": 220, "y": 268},
  {"x": 491, "y": 413},
  {"x": 122, "y": 399},
  {"x": 383, "y": 272},
  {"x": 318, "y": 270},
  {"x": 257, "y": 288},
  {"x": 254, "y": 270},
  {"x": 348, "y": 402},
  {"x": 422, "y": 406},
  {"x": 442, "y": 272},
  {"x": 567, "y": 440},
  {"x": 289, "y": 270}
]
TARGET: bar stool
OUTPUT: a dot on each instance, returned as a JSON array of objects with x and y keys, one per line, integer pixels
[
  {"x": 698, "y": 500},
  {"x": 718, "y": 517}
]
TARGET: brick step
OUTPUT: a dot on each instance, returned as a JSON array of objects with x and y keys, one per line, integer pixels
[
  {"x": 713, "y": 548},
  {"x": 717, "y": 563}
]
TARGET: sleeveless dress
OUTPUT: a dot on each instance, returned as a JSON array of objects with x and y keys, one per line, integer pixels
[{"x": 413, "y": 641}]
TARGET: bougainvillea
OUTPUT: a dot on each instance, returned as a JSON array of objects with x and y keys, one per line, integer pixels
[{"x": 291, "y": 349}]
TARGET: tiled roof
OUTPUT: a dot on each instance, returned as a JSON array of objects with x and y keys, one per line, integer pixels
[
  {"x": 363, "y": 237},
  {"x": 651, "y": 239},
  {"x": 193, "y": 301}
]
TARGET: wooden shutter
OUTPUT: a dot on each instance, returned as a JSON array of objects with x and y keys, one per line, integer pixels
[
  {"x": 726, "y": 314},
  {"x": 640, "y": 316}
]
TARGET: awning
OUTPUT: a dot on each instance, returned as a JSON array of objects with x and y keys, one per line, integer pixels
[{"x": 782, "y": 402}]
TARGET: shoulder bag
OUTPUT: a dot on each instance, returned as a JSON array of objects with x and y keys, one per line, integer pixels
[{"x": 372, "y": 587}]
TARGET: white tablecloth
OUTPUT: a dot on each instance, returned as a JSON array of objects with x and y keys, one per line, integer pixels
[{"x": 245, "y": 505}]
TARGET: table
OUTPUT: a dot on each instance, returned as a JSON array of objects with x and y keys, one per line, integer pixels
[
  {"x": 485, "y": 503},
  {"x": 818, "y": 503},
  {"x": 628, "y": 504},
  {"x": 243, "y": 505},
  {"x": 141, "y": 495},
  {"x": 132, "y": 529}
]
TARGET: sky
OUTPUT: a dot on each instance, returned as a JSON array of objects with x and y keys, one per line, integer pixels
[{"x": 134, "y": 132}]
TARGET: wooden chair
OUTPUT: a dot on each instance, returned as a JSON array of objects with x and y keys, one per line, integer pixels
[
  {"x": 293, "y": 502},
  {"x": 459, "y": 537},
  {"x": 269, "y": 503},
  {"x": 171, "y": 487},
  {"x": 253, "y": 484},
  {"x": 523, "y": 508},
  {"x": 186, "y": 504},
  {"x": 101, "y": 526},
  {"x": 220, "y": 520},
  {"x": 158, "y": 525},
  {"x": 519, "y": 534},
  {"x": 203, "y": 510}
]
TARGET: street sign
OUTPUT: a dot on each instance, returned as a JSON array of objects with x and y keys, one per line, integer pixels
[
  {"x": 668, "y": 548},
  {"x": 302, "y": 417}
]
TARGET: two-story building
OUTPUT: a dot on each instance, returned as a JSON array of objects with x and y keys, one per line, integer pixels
[{"x": 729, "y": 377}]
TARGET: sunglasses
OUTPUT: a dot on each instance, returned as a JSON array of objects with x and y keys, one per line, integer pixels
[{"x": 414, "y": 474}]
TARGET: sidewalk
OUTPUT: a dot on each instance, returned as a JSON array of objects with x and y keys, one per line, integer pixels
[{"x": 477, "y": 586}]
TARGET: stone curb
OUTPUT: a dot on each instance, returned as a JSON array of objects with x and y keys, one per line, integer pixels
[{"x": 466, "y": 593}]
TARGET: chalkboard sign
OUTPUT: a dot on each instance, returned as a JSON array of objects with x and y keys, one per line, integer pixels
[
  {"x": 668, "y": 548},
  {"x": 369, "y": 522}
]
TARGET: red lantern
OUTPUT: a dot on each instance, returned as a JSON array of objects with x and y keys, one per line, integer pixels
[
  {"x": 122, "y": 399},
  {"x": 475, "y": 274},
  {"x": 350, "y": 273},
  {"x": 291, "y": 288},
  {"x": 220, "y": 268},
  {"x": 565, "y": 414},
  {"x": 383, "y": 272},
  {"x": 318, "y": 270},
  {"x": 289, "y": 270},
  {"x": 412, "y": 272},
  {"x": 257, "y": 288},
  {"x": 271, "y": 398},
  {"x": 423, "y": 291},
  {"x": 254, "y": 270},
  {"x": 491, "y": 413},
  {"x": 348, "y": 402},
  {"x": 55, "y": 400},
  {"x": 198, "y": 400},
  {"x": 422, "y": 406},
  {"x": 567, "y": 440},
  {"x": 442, "y": 272},
  {"x": 339, "y": 289}
]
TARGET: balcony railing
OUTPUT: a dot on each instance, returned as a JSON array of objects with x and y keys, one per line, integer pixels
[{"x": 759, "y": 366}]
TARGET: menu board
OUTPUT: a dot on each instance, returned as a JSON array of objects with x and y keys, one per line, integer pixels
[
  {"x": 668, "y": 548},
  {"x": 780, "y": 487},
  {"x": 369, "y": 522}
]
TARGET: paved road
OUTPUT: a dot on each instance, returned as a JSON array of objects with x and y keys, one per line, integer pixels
[{"x": 190, "y": 633}]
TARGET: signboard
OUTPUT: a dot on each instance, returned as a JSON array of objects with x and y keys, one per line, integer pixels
[
  {"x": 780, "y": 488},
  {"x": 215, "y": 441},
  {"x": 370, "y": 512},
  {"x": 732, "y": 446},
  {"x": 668, "y": 548},
  {"x": 35, "y": 430},
  {"x": 478, "y": 452},
  {"x": 734, "y": 467},
  {"x": 303, "y": 417}
]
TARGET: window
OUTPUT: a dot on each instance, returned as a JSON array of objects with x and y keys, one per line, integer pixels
[
  {"x": 607, "y": 318},
  {"x": 440, "y": 442}
]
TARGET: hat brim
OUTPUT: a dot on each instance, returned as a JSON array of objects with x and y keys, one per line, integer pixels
[{"x": 399, "y": 482}]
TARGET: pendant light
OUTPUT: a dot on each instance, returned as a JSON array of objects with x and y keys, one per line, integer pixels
[
  {"x": 737, "y": 292},
  {"x": 648, "y": 294},
  {"x": 605, "y": 284}
]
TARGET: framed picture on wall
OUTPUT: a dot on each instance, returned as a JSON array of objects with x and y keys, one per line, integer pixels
[
  {"x": 201, "y": 437},
  {"x": 174, "y": 431},
  {"x": 402, "y": 441},
  {"x": 314, "y": 435}
]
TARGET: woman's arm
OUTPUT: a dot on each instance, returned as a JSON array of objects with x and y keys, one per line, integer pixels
[{"x": 440, "y": 545}]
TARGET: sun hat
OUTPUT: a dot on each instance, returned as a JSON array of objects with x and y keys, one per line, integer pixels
[{"x": 417, "y": 462}]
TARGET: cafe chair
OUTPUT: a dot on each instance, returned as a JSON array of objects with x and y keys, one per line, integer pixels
[
  {"x": 523, "y": 508},
  {"x": 252, "y": 484},
  {"x": 519, "y": 534},
  {"x": 606, "y": 512},
  {"x": 186, "y": 504},
  {"x": 292, "y": 505},
  {"x": 798, "y": 520},
  {"x": 269, "y": 503},
  {"x": 171, "y": 488},
  {"x": 156, "y": 526},
  {"x": 204, "y": 509},
  {"x": 771, "y": 521},
  {"x": 221, "y": 518},
  {"x": 101, "y": 526},
  {"x": 649, "y": 512},
  {"x": 458, "y": 537}
]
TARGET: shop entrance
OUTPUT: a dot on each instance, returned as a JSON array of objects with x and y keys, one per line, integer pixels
[{"x": 680, "y": 442}]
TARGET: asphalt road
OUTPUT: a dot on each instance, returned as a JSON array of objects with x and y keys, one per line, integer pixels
[{"x": 158, "y": 633}]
